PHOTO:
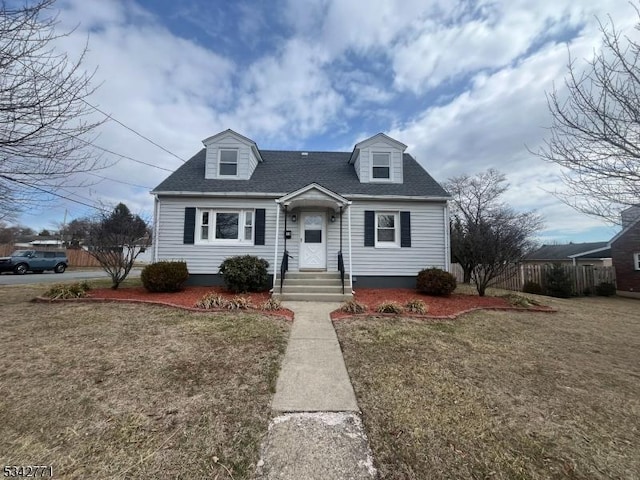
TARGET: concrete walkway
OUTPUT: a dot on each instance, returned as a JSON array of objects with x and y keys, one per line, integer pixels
[
  {"x": 317, "y": 433},
  {"x": 313, "y": 377}
]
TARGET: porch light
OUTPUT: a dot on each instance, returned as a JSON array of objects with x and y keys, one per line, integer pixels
[
  {"x": 333, "y": 218},
  {"x": 294, "y": 218}
]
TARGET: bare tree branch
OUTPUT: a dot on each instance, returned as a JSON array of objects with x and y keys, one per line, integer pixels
[
  {"x": 595, "y": 129},
  {"x": 45, "y": 121}
]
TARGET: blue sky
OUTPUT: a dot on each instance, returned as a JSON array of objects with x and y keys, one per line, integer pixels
[{"x": 461, "y": 83}]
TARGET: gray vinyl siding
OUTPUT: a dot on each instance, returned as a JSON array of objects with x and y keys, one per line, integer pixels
[
  {"x": 427, "y": 240},
  {"x": 365, "y": 158},
  {"x": 205, "y": 258},
  {"x": 253, "y": 162},
  {"x": 245, "y": 168},
  {"x": 427, "y": 237}
]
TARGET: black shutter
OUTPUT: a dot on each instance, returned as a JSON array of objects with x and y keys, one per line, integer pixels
[
  {"x": 369, "y": 228},
  {"x": 260, "y": 225},
  {"x": 189, "y": 225},
  {"x": 405, "y": 229}
]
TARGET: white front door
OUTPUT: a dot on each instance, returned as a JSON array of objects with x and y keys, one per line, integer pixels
[{"x": 313, "y": 244}]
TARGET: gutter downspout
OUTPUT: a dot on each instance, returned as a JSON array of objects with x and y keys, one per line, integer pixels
[
  {"x": 447, "y": 239},
  {"x": 156, "y": 227},
  {"x": 275, "y": 255},
  {"x": 350, "y": 264}
]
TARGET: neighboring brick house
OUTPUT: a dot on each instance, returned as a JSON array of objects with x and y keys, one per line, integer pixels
[{"x": 625, "y": 253}]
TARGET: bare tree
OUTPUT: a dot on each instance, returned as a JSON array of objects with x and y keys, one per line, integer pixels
[
  {"x": 500, "y": 242},
  {"x": 487, "y": 237},
  {"x": 595, "y": 129},
  {"x": 116, "y": 239},
  {"x": 44, "y": 116},
  {"x": 473, "y": 198}
]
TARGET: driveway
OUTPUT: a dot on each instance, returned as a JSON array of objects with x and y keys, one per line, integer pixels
[{"x": 50, "y": 277}]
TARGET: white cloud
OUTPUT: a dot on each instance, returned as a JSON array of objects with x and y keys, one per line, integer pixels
[{"x": 337, "y": 65}]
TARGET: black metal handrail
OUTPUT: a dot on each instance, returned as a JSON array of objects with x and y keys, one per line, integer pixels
[
  {"x": 341, "y": 269},
  {"x": 284, "y": 267}
]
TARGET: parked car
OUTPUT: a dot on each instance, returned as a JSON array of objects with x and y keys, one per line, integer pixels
[{"x": 36, "y": 261}]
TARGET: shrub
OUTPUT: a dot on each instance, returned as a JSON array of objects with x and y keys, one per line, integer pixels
[
  {"x": 434, "y": 281},
  {"x": 73, "y": 290},
  {"x": 272, "y": 304},
  {"x": 532, "y": 287},
  {"x": 606, "y": 289},
  {"x": 586, "y": 291},
  {"x": 164, "y": 276},
  {"x": 245, "y": 273},
  {"x": 519, "y": 301},
  {"x": 558, "y": 282},
  {"x": 211, "y": 300},
  {"x": 415, "y": 306},
  {"x": 238, "y": 303},
  {"x": 389, "y": 307},
  {"x": 352, "y": 306}
]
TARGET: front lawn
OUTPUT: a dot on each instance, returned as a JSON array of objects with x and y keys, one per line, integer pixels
[
  {"x": 134, "y": 391},
  {"x": 502, "y": 395}
]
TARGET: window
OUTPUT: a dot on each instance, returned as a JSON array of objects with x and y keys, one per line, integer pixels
[
  {"x": 227, "y": 226},
  {"x": 204, "y": 229},
  {"x": 636, "y": 261},
  {"x": 387, "y": 229},
  {"x": 228, "y": 163},
  {"x": 381, "y": 166}
]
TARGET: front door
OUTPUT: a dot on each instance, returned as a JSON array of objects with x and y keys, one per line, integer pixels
[{"x": 313, "y": 244}]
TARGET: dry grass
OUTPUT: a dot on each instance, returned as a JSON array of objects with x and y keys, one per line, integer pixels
[
  {"x": 502, "y": 395},
  {"x": 130, "y": 391}
]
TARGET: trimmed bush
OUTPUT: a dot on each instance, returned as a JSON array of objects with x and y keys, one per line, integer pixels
[
  {"x": 389, "y": 307},
  {"x": 63, "y": 292},
  {"x": 271, "y": 304},
  {"x": 416, "y": 306},
  {"x": 558, "y": 282},
  {"x": 164, "y": 276},
  {"x": 606, "y": 289},
  {"x": 434, "y": 281},
  {"x": 532, "y": 287},
  {"x": 239, "y": 303},
  {"x": 211, "y": 300},
  {"x": 352, "y": 306},
  {"x": 245, "y": 273}
]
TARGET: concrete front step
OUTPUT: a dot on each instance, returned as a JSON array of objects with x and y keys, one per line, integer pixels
[
  {"x": 292, "y": 288},
  {"x": 307, "y": 275},
  {"x": 313, "y": 297},
  {"x": 314, "y": 281}
]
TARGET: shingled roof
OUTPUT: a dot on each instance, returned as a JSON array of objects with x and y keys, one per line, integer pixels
[
  {"x": 282, "y": 172},
  {"x": 567, "y": 252}
]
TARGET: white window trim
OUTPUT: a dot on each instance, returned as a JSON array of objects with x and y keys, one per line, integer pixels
[
  {"x": 381, "y": 180},
  {"x": 396, "y": 224},
  {"x": 222, "y": 149},
  {"x": 636, "y": 261},
  {"x": 242, "y": 215}
]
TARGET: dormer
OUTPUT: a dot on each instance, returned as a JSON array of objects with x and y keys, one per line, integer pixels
[
  {"x": 378, "y": 159},
  {"x": 230, "y": 156}
]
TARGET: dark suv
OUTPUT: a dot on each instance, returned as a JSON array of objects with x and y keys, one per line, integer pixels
[{"x": 22, "y": 261}]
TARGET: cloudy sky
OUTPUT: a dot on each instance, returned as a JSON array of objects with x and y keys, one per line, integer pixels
[{"x": 462, "y": 83}]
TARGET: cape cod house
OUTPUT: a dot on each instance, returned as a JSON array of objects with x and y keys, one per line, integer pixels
[{"x": 373, "y": 215}]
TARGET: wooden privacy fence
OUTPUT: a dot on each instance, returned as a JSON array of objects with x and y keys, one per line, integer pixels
[
  {"x": 77, "y": 257},
  {"x": 584, "y": 277}
]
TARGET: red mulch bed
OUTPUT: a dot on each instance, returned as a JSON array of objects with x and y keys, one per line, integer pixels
[
  {"x": 437, "y": 307},
  {"x": 186, "y": 298}
]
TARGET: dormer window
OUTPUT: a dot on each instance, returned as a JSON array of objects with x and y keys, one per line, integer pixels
[
  {"x": 228, "y": 163},
  {"x": 381, "y": 166}
]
